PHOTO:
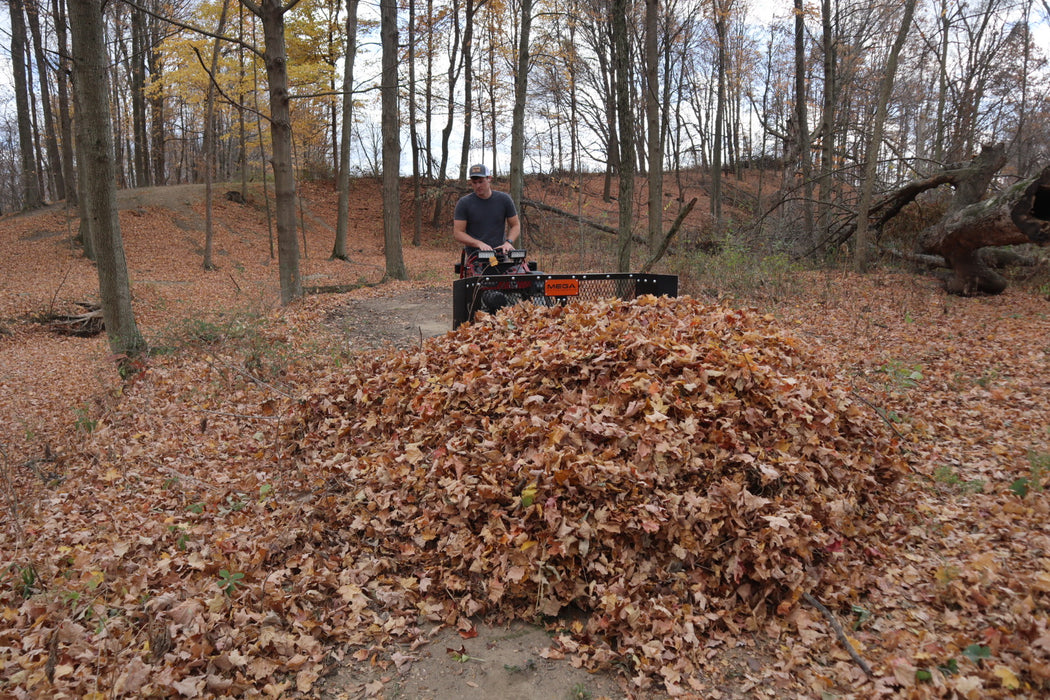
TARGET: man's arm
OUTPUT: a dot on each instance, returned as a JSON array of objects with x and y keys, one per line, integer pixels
[{"x": 459, "y": 232}]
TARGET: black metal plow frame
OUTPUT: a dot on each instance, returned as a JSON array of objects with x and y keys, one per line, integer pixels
[{"x": 556, "y": 290}]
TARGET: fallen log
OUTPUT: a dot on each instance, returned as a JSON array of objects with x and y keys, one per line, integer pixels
[
  {"x": 596, "y": 225},
  {"x": 87, "y": 324},
  {"x": 995, "y": 257}
]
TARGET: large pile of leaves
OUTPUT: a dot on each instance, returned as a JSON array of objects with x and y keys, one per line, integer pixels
[{"x": 660, "y": 464}]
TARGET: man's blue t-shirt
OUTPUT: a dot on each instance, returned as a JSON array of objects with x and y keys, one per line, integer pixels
[{"x": 486, "y": 218}]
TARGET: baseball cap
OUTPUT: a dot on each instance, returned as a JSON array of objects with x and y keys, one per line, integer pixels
[{"x": 479, "y": 170}]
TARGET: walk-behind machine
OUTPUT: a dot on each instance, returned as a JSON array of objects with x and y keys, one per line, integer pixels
[{"x": 489, "y": 281}]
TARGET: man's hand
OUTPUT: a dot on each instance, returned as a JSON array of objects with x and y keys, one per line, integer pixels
[{"x": 504, "y": 247}]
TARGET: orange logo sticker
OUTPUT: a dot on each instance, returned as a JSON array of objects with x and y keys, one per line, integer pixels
[{"x": 561, "y": 288}]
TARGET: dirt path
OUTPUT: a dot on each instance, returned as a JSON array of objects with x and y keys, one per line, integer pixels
[
  {"x": 505, "y": 663},
  {"x": 402, "y": 319}
]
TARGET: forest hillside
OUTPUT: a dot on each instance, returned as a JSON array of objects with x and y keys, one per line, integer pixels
[{"x": 787, "y": 482}]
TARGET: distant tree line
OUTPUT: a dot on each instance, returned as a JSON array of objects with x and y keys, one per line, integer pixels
[{"x": 829, "y": 97}]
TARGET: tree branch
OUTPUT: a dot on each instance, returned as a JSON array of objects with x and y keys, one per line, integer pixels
[
  {"x": 569, "y": 215},
  {"x": 662, "y": 248},
  {"x": 843, "y": 639},
  {"x": 192, "y": 28},
  {"x": 222, "y": 93}
]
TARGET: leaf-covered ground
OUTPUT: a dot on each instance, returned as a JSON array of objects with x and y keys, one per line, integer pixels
[{"x": 679, "y": 482}]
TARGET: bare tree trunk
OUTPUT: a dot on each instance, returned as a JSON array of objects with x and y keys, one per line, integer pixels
[
  {"x": 942, "y": 81},
  {"x": 609, "y": 71},
  {"x": 1022, "y": 107},
  {"x": 574, "y": 105},
  {"x": 413, "y": 131},
  {"x": 428, "y": 94},
  {"x": 140, "y": 50},
  {"x": 454, "y": 66},
  {"x": 76, "y": 145},
  {"x": 262, "y": 144},
  {"x": 84, "y": 234},
  {"x": 652, "y": 119},
  {"x": 621, "y": 65},
  {"x": 468, "y": 84},
  {"x": 862, "y": 253},
  {"x": 95, "y": 130},
  {"x": 50, "y": 136},
  {"x": 241, "y": 122},
  {"x": 209, "y": 143},
  {"x": 342, "y": 220},
  {"x": 973, "y": 181},
  {"x": 31, "y": 197},
  {"x": 490, "y": 88},
  {"x": 271, "y": 12},
  {"x": 332, "y": 9},
  {"x": 827, "y": 119},
  {"x": 395, "y": 265},
  {"x": 720, "y": 10},
  {"x": 116, "y": 101},
  {"x": 43, "y": 179},
  {"x": 517, "y": 129},
  {"x": 156, "y": 104},
  {"x": 64, "y": 114},
  {"x": 802, "y": 118}
]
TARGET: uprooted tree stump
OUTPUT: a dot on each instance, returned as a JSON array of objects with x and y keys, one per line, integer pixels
[
  {"x": 1019, "y": 214},
  {"x": 966, "y": 237}
]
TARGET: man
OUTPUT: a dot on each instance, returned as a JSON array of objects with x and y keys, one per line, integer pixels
[{"x": 485, "y": 220}]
